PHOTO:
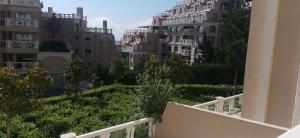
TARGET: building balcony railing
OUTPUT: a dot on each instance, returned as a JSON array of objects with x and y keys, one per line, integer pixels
[
  {"x": 138, "y": 30},
  {"x": 26, "y": 3},
  {"x": 127, "y": 49},
  {"x": 185, "y": 52},
  {"x": 184, "y": 20},
  {"x": 185, "y": 42},
  {"x": 230, "y": 105},
  {"x": 98, "y": 30},
  {"x": 19, "y": 44},
  {"x": 19, "y": 65},
  {"x": 64, "y": 16},
  {"x": 21, "y": 22}
]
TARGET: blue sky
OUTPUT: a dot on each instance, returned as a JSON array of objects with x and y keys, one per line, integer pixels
[{"x": 121, "y": 14}]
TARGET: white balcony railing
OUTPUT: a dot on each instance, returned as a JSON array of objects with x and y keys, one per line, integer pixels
[
  {"x": 127, "y": 49},
  {"x": 19, "y": 44},
  {"x": 230, "y": 105},
  {"x": 105, "y": 133},
  {"x": 21, "y": 22},
  {"x": 19, "y": 65},
  {"x": 185, "y": 42},
  {"x": 27, "y": 3}
]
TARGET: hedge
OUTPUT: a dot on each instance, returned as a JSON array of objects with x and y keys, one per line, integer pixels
[{"x": 100, "y": 108}]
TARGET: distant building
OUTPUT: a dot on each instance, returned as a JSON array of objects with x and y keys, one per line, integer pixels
[
  {"x": 24, "y": 28},
  {"x": 139, "y": 44},
  {"x": 180, "y": 29},
  {"x": 19, "y": 33},
  {"x": 95, "y": 46}
]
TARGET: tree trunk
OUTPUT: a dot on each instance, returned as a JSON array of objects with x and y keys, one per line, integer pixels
[
  {"x": 8, "y": 126},
  {"x": 236, "y": 76}
]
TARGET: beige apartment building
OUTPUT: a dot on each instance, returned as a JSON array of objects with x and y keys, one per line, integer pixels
[
  {"x": 139, "y": 44},
  {"x": 180, "y": 29},
  {"x": 269, "y": 105},
  {"x": 19, "y": 32},
  {"x": 95, "y": 46}
]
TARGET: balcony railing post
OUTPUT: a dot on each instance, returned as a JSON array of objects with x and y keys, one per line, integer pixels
[
  {"x": 69, "y": 135},
  {"x": 151, "y": 132},
  {"x": 231, "y": 104},
  {"x": 220, "y": 105},
  {"x": 107, "y": 135},
  {"x": 130, "y": 132},
  {"x": 240, "y": 100}
]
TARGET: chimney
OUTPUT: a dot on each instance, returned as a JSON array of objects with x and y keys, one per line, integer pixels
[
  {"x": 105, "y": 26},
  {"x": 80, "y": 12},
  {"x": 50, "y": 11}
]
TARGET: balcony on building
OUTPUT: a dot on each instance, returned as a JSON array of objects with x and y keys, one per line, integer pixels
[
  {"x": 19, "y": 22},
  {"x": 97, "y": 30},
  {"x": 22, "y": 3},
  {"x": 10, "y": 44},
  {"x": 184, "y": 42},
  {"x": 19, "y": 65}
]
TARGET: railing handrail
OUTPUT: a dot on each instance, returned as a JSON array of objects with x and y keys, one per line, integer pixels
[
  {"x": 218, "y": 101},
  {"x": 115, "y": 128},
  {"x": 219, "y": 107}
]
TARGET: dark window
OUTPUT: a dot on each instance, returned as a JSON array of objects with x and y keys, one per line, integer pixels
[
  {"x": 212, "y": 29},
  {"x": 9, "y": 36},
  {"x": 2, "y": 22},
  {"x": 87, "y": 38},
  {"x": 76, "y": 37},
  {"x": 2, "y": 14},
  {"x": 77, "y": 50},
  {"x": 88, "y": 51}
]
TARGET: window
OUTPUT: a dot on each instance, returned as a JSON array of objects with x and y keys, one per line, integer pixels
[
  {"x": 77, "y": 50},
  {"x": 87, "y": 38},
  {"x": 23, "y": 15},
  {"x": 76, "y": 37},
  {"x": 212, "y": 29},
  {"x": 88, "y": 51},
  {"x": 77, "y": 27},
  {"x": 2, "y": 14}
]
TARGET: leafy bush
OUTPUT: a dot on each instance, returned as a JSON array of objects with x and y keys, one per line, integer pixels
[
  {"x": 54, "y": 46},
  {"x": 211, "y": 74},
  {"x": 154, "y": 96},
  {"x": 104, "y": 107}
]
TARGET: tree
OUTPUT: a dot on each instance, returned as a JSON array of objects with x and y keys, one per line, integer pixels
[
  {"x": 153, "y": 70},
  {"x": 103, "y": 76},
  {"x": 20, "y": 93},
  {"x": 207, "y": 50},
  {"x": 234, "y": 40},
  {"x": 117, "y": 69},
  {"x": 75, "y": 73},
  {"x": 175, "y": 69},
  {"x": 154, "y": 96},
  {"x": 38, "y": 81}
]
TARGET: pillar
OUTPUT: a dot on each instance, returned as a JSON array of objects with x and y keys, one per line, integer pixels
[
  {"x": 105, "y": 26},
  {"x": 79, "y": 12},
  {"x": 273, "y": 59}
]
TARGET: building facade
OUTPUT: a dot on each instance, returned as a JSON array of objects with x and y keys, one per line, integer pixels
[
  {"x": 95, "y": 46},
  {"x": 19, "y": 33},
  {"x": 139, "y": 44},
  {"x": 181, "y": 28}
]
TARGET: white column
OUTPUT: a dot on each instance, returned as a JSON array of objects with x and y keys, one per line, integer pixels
[{"x": 220, "y": 104}]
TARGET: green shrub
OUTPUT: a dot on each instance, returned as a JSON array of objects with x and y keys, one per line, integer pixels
[
  {"x": 54, "y": 46},
  {"x": 154, "y": 96},
  {"x": 108, "y": 106},
  {"x": 211, "y": 74}
]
